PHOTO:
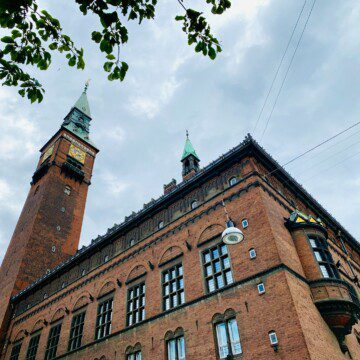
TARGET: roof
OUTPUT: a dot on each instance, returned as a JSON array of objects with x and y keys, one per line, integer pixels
[
  {"x": 189, "y": 150},
  {"x": 244, "y": 149},
  {"x": 82, "y": 104}
]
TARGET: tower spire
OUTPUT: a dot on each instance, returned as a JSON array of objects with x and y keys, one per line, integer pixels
[
  {"x": 78, "y": 119},
  {"x": 189, "y": 159}
]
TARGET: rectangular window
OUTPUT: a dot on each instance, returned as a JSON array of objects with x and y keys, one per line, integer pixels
[
  {"x": 15, "y": 351},
  {"x": 103, "y": 319},
  {"x": 323, "y": 257},
  {"x": 173, "y": 287},
  {"x": 33, "y": 347},
  {"x": 76, "y": 331},
  {"x": 261, "y": 288},
  {"x": 228, "y": 339},
  {"x": 135, "y": 356},
  {"x": 176, "y": 349},
  {"x": 217, "y": 269},
  {"x": 135, "y": 304},
  {"x": 53, "y": 340}
]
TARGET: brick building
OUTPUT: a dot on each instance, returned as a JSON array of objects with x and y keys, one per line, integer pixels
[{"x": 163, "y": 284}]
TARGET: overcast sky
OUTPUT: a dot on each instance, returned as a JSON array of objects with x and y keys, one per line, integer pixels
[{"x": 139, "y": 125}]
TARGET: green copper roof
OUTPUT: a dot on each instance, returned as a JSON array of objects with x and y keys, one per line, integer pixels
[
  {"x": 82, "y": 104},
  {"x": 189, "y": 150}
]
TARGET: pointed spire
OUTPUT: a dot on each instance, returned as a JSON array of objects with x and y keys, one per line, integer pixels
[
  {"x": 82, "y": 104},
  {"x": 188, "y": 149},
  {"x": 78, "y": 119}
]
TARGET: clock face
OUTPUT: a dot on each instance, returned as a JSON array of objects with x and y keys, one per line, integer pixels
[
  {"x": 77, "y": 154},
  {"x": 47, "y": 153}
]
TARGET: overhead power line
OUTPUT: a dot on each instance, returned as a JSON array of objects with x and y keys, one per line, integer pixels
[
  {"x": 287, "y": 70},
  {"x": 314, "y": 147},
  {"x": 279, "y": 66}
]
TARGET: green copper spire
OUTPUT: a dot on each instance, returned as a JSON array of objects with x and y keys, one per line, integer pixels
[
  {"x": 189, "y": 149},
  {"x": 82, "y": 104},
  {"x": 78, "y": 119}
]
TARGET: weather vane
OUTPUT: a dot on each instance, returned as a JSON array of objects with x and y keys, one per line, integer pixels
[{"x": 86, "y": 85}]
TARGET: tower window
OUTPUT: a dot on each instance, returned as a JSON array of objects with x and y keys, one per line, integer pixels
[
  {"x": 245, "y": 223},
  {"x": 273, "y": 338},
  {"x": 323, "y": 257},
  {"x": 63, "y": 209},
  {"x": 106, "y": 258},
  {"x": 252, "y": 253},
  {"x": 53, "y": 248},
  {"x": 63, "y": 284},
  {"x": 33, "y": 347},
  {"x": 15, "y": 351},
  {"x": 160, "y": 225},
  {"x": 194, "y": 204},
  {"x": 173, "y": 287},
  {"x": 261, "y": 288},
  {"x": 58, "y": 228},
  {"x": 103, "y": 319},
  {"x": 45, "y": 296},
  {"x": 83, "y": 272},
  {"x": 53, "y": 342},
  {"x": 232, "y": 181},
  {"x": 216, "y": 263},
  {"x": 76, "y": 331},
  {"x": 135, "y": 304},
  {"x": 228, "y": 338},
  {"x": 67, "y": 190},
  {"x": 132, "y": 242}
]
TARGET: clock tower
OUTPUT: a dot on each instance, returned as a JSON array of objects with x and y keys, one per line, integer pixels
[{"x": 48, "y": 230}]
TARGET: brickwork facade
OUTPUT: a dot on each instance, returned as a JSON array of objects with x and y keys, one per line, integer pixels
[{"x": 266, "y": 297}]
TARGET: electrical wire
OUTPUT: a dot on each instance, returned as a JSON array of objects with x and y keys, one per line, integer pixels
[
  {"x": 279, "y": 66},
  {"x": 287, "y": 70},
  {"x": 313, "y": 148}
]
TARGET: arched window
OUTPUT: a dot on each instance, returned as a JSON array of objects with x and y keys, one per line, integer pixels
[
  {"x": 227, "y": 334},
  {"x": 232, "y": 181},
  {"x": 133, "y": 352},
  {"x": 194, "y": 204},
  {"x": 175, "y": 345},
  {"x": 160, "y": 224},
  {"x": 106, "y": 258}
]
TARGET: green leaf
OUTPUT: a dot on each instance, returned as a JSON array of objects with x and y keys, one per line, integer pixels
[
  {"x": 96, "y": 36},
  {"x": 179, "y": 18},
  {"x": 53, "y": 46},
  {"x": 212, "y": 53},
  {"x": 7, "y": 40},
  {"x": 72, "y": 61},
  {"x": 110, "y": 57}
]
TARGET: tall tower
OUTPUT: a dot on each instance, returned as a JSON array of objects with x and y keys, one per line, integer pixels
[
  {"x": 49, "y": 226},
  {"x": 189, "y": 159}
]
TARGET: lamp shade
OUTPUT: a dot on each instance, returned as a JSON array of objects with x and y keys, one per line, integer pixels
[{"x": 232, "y": 235}]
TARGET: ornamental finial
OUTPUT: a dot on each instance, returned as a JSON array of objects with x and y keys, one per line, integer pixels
[{"x": 86, "y": 85}]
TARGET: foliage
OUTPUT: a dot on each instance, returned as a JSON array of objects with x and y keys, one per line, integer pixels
[{"x": 34, "y": 34}]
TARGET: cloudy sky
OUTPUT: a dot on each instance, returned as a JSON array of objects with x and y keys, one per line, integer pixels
[{"x": 139, "y": 125}]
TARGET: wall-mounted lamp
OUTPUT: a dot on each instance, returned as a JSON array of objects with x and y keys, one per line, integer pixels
[{"x": 231, "y": 235}]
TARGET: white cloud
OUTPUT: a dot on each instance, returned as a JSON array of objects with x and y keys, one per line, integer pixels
[
  {"x": 149, "y": 103},
  {"x": 113, "y": 184}
]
